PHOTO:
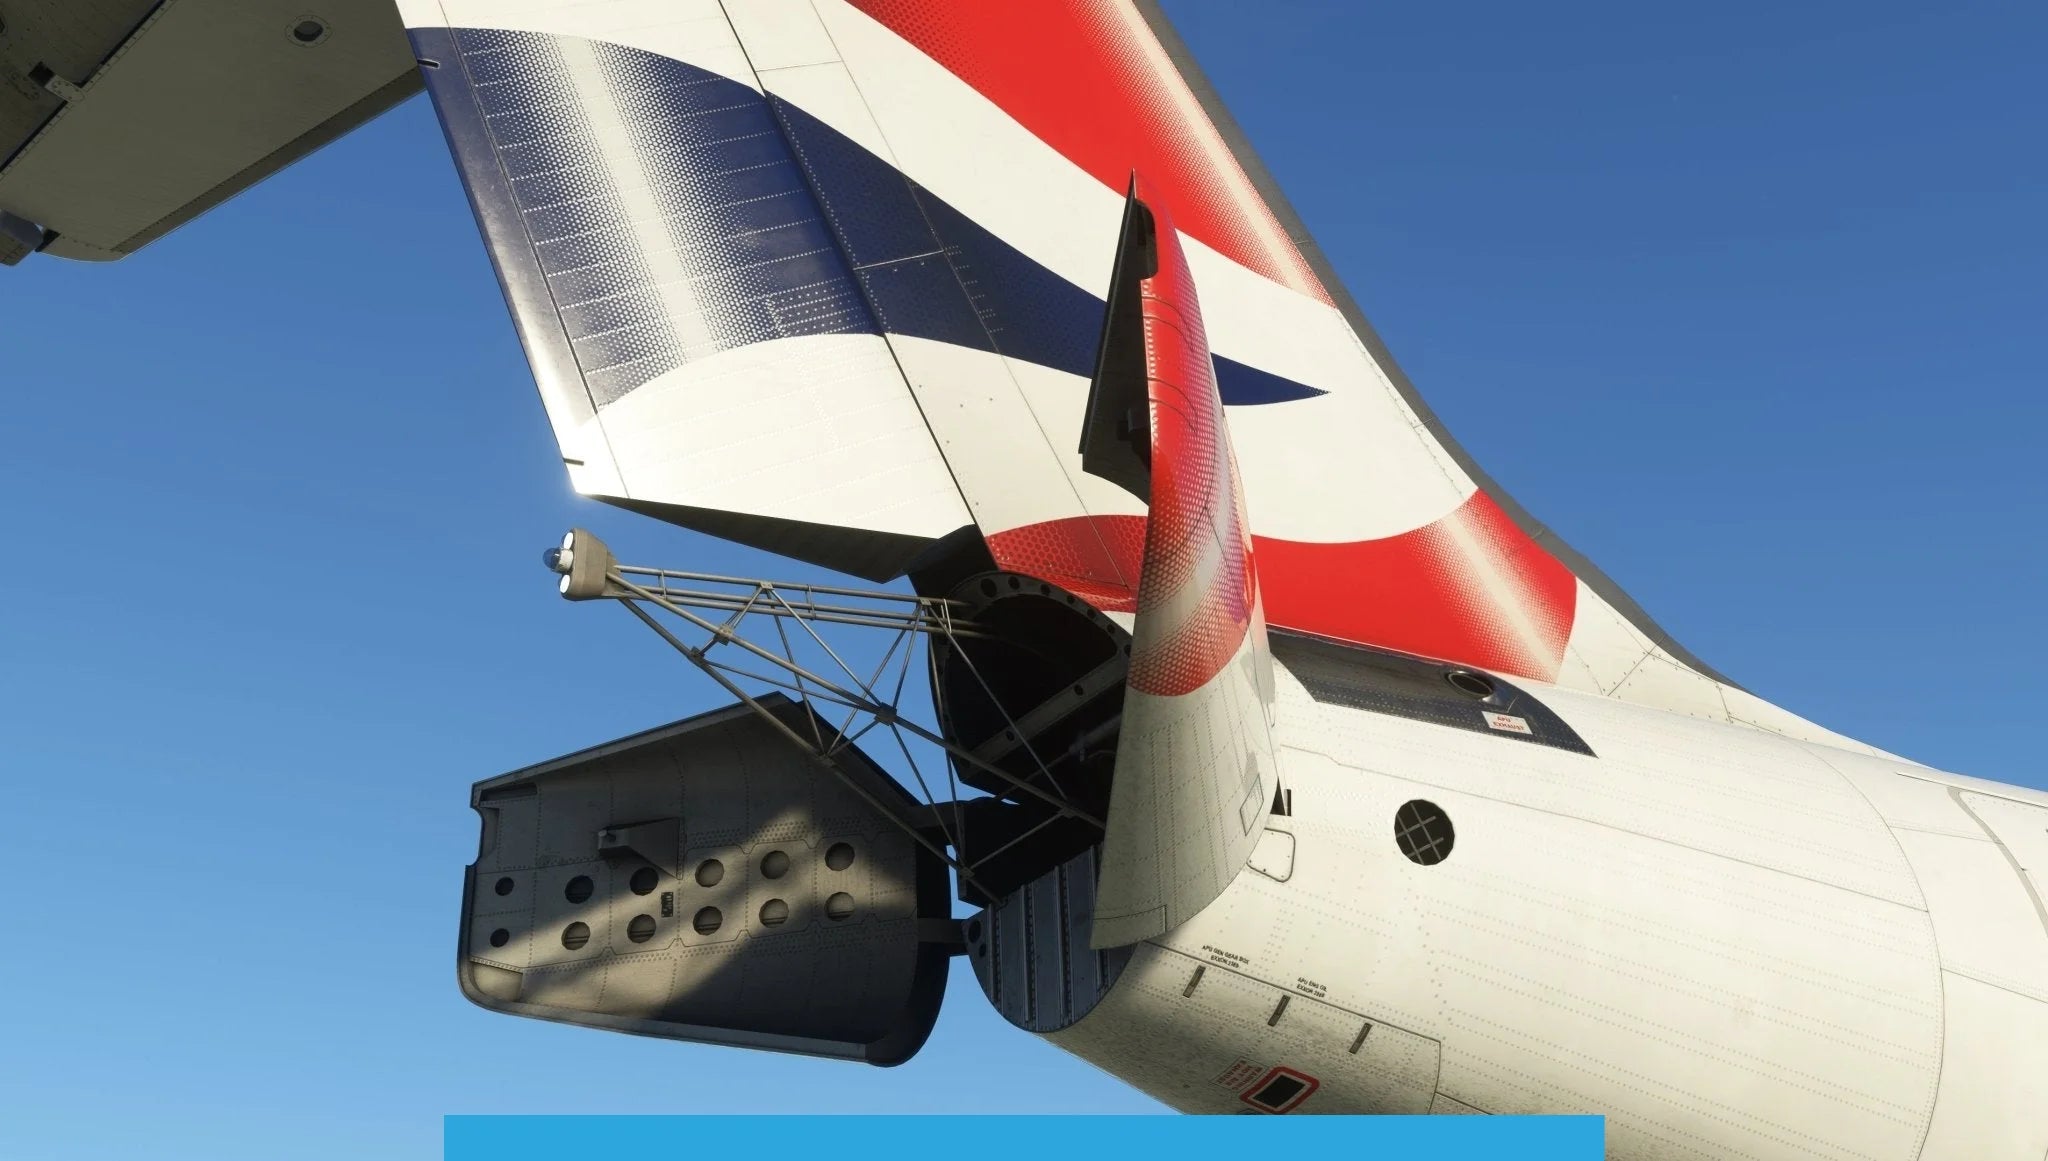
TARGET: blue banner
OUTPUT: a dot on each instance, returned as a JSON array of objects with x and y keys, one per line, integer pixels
[{"x": 901, "y": 1138}]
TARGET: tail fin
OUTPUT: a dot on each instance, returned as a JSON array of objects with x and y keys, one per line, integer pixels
[
  {"x": 704, "y": 350},
  {"x": 828, "y": 276}
]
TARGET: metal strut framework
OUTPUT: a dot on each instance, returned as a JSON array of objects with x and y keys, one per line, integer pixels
[{"x": 726, "y": 609}]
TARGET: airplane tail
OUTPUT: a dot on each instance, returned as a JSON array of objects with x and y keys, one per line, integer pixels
[{"x": 829, "y": 277}]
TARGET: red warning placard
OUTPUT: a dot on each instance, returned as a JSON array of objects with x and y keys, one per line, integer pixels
[{"x": 1281, "y": 1090}]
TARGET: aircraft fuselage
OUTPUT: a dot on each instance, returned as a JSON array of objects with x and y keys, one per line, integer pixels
[{"x": 1731, "y": 943}]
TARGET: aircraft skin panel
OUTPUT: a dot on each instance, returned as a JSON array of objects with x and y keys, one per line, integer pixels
[
  {"x": 1714, "y": 937},
  {"x": 1194, "y": 1048},
  {"x": 700, "y": 343},
  {"x": 1991, "y": 1098},
  {"x": 782, "y": 34},
  {"x": 1979, "y": 849},
  {"x": 966, "y": 363},
  {"x": 971, "y": 394},
  {"x": 1119, "y": 105},
  {"x": 746, "y": 429},
  {"x": 1692, "y": 783},
  {"x": 971, "y": 155},
  {"x": 1343, "y": 471},
  {"x": 976, "y": 327},
  {"x": 694, "y": 32}
]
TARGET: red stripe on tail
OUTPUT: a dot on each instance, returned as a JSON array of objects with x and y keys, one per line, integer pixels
[
  {"x": 1471, "y": 588},
  {"x": 1088, "y": 78}
]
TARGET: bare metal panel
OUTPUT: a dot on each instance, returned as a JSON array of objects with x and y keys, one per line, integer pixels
[
  {"x": 18, "y": 238},
  {"x": 69, "y": 38},
  {"x": 1030, "y": 949},
  {"x": 73, "y": 37},
  {"x": 146, "y": 115},
  {"x": 709, "y": 881}
]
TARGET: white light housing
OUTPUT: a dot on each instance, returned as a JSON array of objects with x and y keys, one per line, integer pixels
[{"x": 584, "y": 564}]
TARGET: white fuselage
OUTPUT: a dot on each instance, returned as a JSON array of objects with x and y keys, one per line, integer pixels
[{"x": 1730, "y": 943}]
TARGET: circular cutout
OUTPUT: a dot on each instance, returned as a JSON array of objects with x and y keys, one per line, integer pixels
[
  {"x": 500, "y": 937},
  {"x": 774, "y": 865},
  {"x": 974, "y": 931},
  {"x": 504, "y": 885},
  {"x": 774, "y": 913},
  {"x": 641, "y": 929},
  {"x": 309, "y": 30},
  {"x": 710, "y": 872},
  {"x": 839, "y": 906},
  {"x": 707, "y": 920},
  {"x": 645, "y": 880},
  {"x": 575, "y": 936},
  {"x": 1423, "y": 832},
  {"x": 578, "y": 889},
  {"x": 1470, "y": 684},
  {"x": 839, "y": 856}
]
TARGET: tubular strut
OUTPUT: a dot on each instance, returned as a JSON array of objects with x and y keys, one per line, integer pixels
[{"x": 690, "y": 596}]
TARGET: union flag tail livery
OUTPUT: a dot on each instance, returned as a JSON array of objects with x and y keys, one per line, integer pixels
[
  {"x": 1312, "y": 774},
  {"x": 828, "y": 279}
]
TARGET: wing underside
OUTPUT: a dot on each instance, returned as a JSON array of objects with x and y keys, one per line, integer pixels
[{"x": 120, "y": 120}]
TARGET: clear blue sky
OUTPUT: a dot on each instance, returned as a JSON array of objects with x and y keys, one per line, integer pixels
[{"x": 1745, "y": 299}]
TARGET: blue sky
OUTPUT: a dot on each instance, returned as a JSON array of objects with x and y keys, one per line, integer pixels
[{"x": 1743, "y": 299}]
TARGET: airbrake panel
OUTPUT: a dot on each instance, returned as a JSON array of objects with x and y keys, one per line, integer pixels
[{"x": 710, "y": 881}]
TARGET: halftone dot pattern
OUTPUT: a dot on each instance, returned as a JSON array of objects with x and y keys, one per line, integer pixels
[
  {"x": 1094, "y": 558},
  {"x": 663, "y": 204},
  {"x": 738, "y": 251},
  {"x": 1470, "y": 587},
  {"x": 1196, "y": 597},
  {"x": 1421, "y": 592},
  {"x": 1088, "y": 78},
  {"x": 932, "y": 271}
]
